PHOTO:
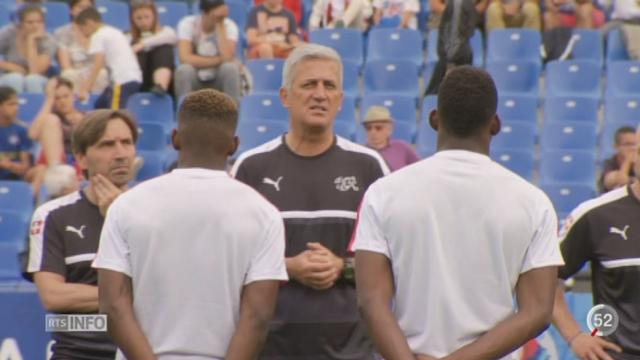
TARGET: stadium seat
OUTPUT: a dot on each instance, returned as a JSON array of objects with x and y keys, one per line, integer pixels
[
  {"x": 622, "y": 109},
  {"x": 402, "y": 130},
  {"x": 9, "y": 264},
  {"x": 88, "y": 105},
  {"x": 16, "y": 196},
  {"x": 349, "y": 43},
  {"x": 518, "y": 108},
  {"x": 582, "y": 109},
  {"x": 517, "y": 160},
  {"x": 426, "y": 139},
  {"x": 5, "y": 18},
  {"x": 477, "y": 47},
  {"x": 569, "y": 135},
  {"x": 149, "y": 107},
  {"x": 56, "y": 15},
  {"x": 566, "y": 197},
  {"x": 263, "y": 107},
  {"x": 153, "y": 165},
  {"x": 515, "y": 78},
  {"x": 395, "y": 44},
  {"x": 351, "y": 78},
  {"x": 238, "y": 12},
  {"x": 114, "y": 13},
  {"x": 616, "y": 49},
  {"x": 401, "y": 107},
  {"x": 567, "y": 166},
  {"x": 388, "y": 22},
  {"x": 515, "y": 135},
  {"x": 151, "y": 137},
  {"x": 580, "y": 305},
  {"x": 13, "y": 226},
  {"x": 347, "y": 113},
  {"x": 514, "y": 44},
  {"x": 623, "y": 78},
  {"x": 171, "y": 12},
  {"x": 344, "y": 129},
  {"x": 266, "y": 74},
  {"x": 254, "y": 133},
  {"x": 428, "y": 103},
  {"x": 573, "y": 78},
  {"x": 590, "y": 45},
  {"x": 30, "y": 105},
  {"x": 399, "y": 77}
]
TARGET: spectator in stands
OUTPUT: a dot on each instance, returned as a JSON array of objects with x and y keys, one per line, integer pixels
[
  {"x": 571, "y": 13},
  {"x": 154, "y": 45},
  {"x": 229, "y": 266},
  {"x": 316, "y": 316},
  {"x": 27, "y": 51},
  {"x": 207, "y": 47},
  {"x": 456, "y": 242},
  {"x": 513, "y": 14},
  {"x": 379, "y": 126},
  {"x": 65, "y": 232},
  {"x": 15, "y": 158},
  {"x": 336, "y": 14},
  {"x": 53, "y": 127},
  {"x": 604, "y": 232},
  {"x": 295, "y": 6},
  {"x": 271, "y": 31},
  {"x": 404, "y": 12},
  {"x": 626, "y": 16},
  {"x": 61, "y": 180},
  {"x": 619, "y": 169},
  {"x": 73, "y": 52},
  {"x": 436, "y": 9},
  {"x": 109, "y": 47}
]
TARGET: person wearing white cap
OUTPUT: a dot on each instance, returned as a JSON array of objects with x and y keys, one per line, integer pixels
[{"x": 379, "y": 125}]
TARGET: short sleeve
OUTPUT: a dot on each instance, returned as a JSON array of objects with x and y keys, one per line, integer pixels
[
  {"x": 369, "y": 234},
  {"x": 412, "y": 5},
  {"x": 185, "y": 28},
  {"x": 268, "y": 261},
  {"x": 575, "y": 243},
  {"x": 543, "y": 249},
  {"x": 113, "y": 251},
  {"x": 97, "y": 43},
  {"x": 232, "y": 30},
  {"x": 46, "y": 244}
]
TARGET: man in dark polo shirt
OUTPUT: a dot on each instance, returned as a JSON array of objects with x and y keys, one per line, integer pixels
[
  {"x": 65, "y": 231},
  {"x": 618, "y": 170}
]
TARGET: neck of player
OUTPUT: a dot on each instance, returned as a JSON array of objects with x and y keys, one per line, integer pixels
[
  {"x": 471, "y": 144},
  {"x": 209, "y": 162},
  {"x": 306, "y": 143}
]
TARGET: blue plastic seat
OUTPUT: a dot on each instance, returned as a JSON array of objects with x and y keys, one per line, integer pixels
[
  {"x": 561, "y": 108},
  {"x": 16, "y": 196},
  {"x": 569, "y": 135},
  {"x": 515, "y": 78},
  {"x": 344, "y": 129},
  {"x": 622, "y": 109},
  {"x": 263, "y": 107},
  {"x": 30, "y": 105},
  {"x": 623, "y": 78},
  {"x": 347, "y": 113},
  {"x": 14, "y": 226},
  {"x": 171, "y": 12},
  {"x": 477, "y": 47},
  {"x": 514, "y": 44},
  {"x": 254, "y": 133},
  {"x": 349, "y": 43},
  {"x": 351, "y": 78},
  {"x": 399, "y": 77},
  {"x": 114, "y": 13},
  {"x": 151, "y": 137},
  {"x": 56, "y": 15},
  {"x": 518, "y": 108},
  {"x": 573, "y": 78},
  {"x": 517, "y": 160},
  {"x": 9, "y": 264},
  {"x": 153, "y": 165},
  {"x": 568, "y": 166},
  {"x": 266, "y": 74},
  {"x": 515, "y": 135},
  {"x": 88, "y": 105},
  {"x": 238, "y": 12},
  {"x": 395, "y": 44},
  {"x": 590, "y": 45},
  {"x": 566, "y": 197},
  {"x": 616, "y": 49},
  {"x": 149, "y": 107},
  {"x": 426, "y": 139},
  {"x": 401, "y": 107},
  {"x": 429, "y": 103}
]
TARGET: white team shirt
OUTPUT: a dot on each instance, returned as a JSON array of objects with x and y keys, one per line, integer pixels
[
  {"x": 190, "y": 240},
  {"x": 397, "y": 7},
  {"x": 458, "y": 229},
  {"x": 119, "y": 57}
]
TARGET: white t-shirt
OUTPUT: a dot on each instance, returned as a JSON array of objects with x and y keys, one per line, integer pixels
[
  {"x": 458, "y": 229},
  {"x": 625, "y": 9},
  {"x": 190, "y": 29},
  {"x": 190, "y": 240},
  {"x": 397, "y": 7},
  {"x": 119, "y": 57}
]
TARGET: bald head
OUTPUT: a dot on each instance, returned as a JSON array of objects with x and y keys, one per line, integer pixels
[{"x": 207, "y": 121}]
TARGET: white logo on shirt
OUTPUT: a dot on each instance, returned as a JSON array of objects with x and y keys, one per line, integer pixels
[
  {"x": 622, "y": 233},
  {"x": 14, "y": 140},
  {"x": 77, "y": 231},
  {"x": 346, "y": 183},
  {"x": 276, "y": 183}
]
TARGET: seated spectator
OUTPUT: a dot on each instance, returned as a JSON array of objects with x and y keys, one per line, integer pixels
[
  {"x": 271, "y": 31},
  {"x": 207, "y": 46},
  {"x": 626, "y": 16},
  {"x": 379, "y": 125},
  {"x": 405, "y": 11},
  {"x": 572, "y": 14},
  {"x": 295, "y": 6},
  {"x": 330, "y": 14},
  {"x": 61, "y": 180},
  {"x": 619, "y": 170},
  {"x": 53, "y": 127},
  {"x": 15, "y": 158},
  {"x": 26, "y": 50},
  {"x": 153, "y": 45},
  {"x": 73, "y": 52},
  {"x": 513, "y": 14},
  {"x": 436, "y": 9},
  {"x": 109, "y": 47}
]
